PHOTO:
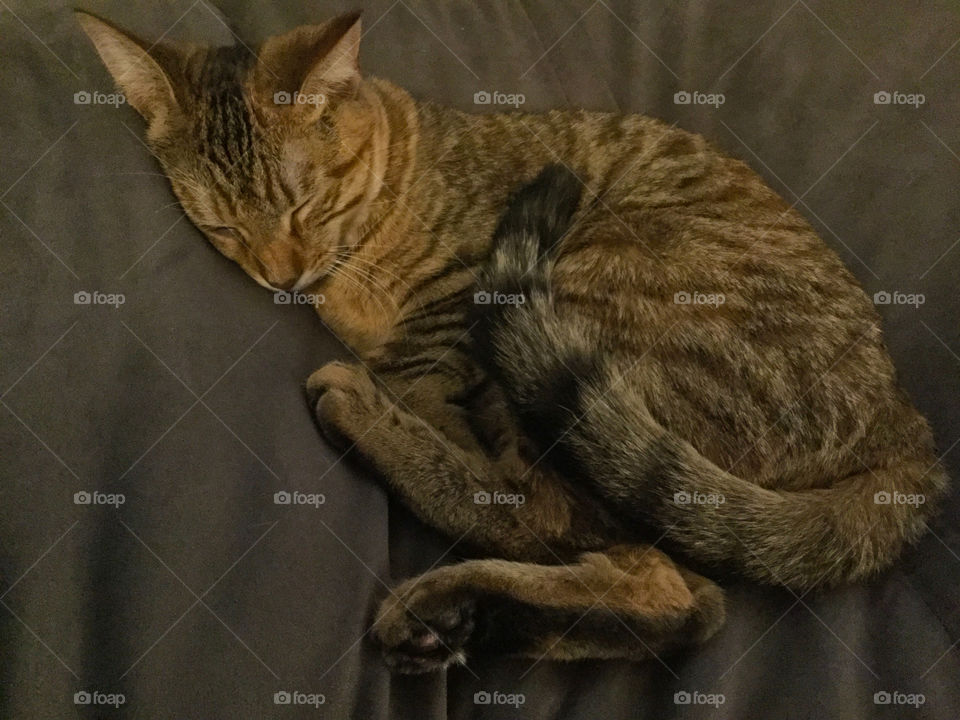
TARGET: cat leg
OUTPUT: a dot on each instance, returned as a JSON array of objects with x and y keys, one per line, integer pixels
[
  {"x": 492, "y": 504},
  {"x": 629, "y": 602}
]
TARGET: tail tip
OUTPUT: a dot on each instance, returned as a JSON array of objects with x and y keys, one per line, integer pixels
[{"x": 543, "y": 208}]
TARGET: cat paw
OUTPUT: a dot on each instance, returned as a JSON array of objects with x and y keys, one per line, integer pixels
[
  {"x": 345, "y": 401},
  {"x": 420, "y": 631}
]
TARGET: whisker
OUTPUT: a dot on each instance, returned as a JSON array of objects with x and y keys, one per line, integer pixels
[
  {"x": 361, "y": 274},
  {"x": 339, "y": 272},
  {"x": 371, "y": 266},
  {"x": 168, "y": 205}
]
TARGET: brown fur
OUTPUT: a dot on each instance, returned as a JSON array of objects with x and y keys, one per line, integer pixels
[{"x": 783, "y": 398}]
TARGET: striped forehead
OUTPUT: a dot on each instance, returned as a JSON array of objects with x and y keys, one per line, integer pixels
[{"x": 227, "y": 136}]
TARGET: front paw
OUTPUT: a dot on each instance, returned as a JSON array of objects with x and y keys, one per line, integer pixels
[
  {"x": 421, "y": 630},
  {"x": 345, "y": 401}
]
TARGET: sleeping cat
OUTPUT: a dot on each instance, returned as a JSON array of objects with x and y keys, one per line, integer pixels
[{"x": 643, "y": 343}]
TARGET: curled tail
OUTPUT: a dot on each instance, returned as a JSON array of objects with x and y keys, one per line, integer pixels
[
  {"x": 800, "y": 539},
  {"x": 517, "y": 330},
  {"x": 571, "y": 398}
]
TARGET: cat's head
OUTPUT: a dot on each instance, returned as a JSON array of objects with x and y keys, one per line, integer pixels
[{"x": 261, "y": 149}]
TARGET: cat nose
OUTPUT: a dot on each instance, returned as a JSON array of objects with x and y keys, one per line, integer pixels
[
  {"x": 278, "y": 280},
  {"x": 281, "y": 266},
  {"x": 285, "y": 284}
]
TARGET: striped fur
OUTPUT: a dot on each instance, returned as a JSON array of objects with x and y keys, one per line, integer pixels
[{"x": 618, "y": 387}]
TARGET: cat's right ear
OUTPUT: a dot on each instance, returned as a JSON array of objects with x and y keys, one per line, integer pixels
[
  {"x": 143, "y": 81},
  {"x": 311, "y": 67}
]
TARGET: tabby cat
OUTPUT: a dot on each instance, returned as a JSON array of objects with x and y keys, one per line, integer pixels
[{"x": 642, "y": 343}]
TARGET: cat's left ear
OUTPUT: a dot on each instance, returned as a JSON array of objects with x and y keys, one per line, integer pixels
[
  {"x": 311, "y": 66},
  {"x": 146, "y": 84}
]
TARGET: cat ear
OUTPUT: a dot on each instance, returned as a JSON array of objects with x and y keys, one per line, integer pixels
[
  {"x": 145, "y": 84},
  {"x": 314, "y": 63}
]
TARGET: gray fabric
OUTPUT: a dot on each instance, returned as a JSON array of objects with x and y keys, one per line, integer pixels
[{"x": 199, "y": 597}]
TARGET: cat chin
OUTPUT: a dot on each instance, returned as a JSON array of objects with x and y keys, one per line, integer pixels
[
  {"x": 304, "y": 281},
  {"x": 307, "y": 279},
  {"x": 263, "y": 283}
]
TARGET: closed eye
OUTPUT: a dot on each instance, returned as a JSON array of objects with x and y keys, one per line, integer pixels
[
  {"x": 301, "y": 209},
  {"x": 299, "y": 213},
  {"x": 225, "y": 232}
]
